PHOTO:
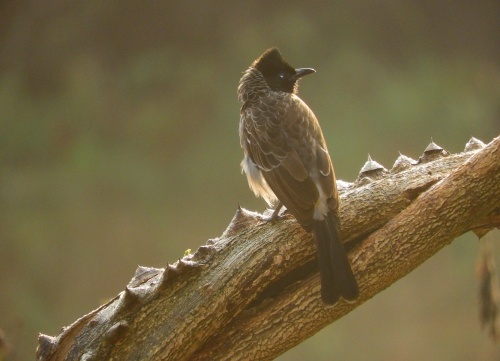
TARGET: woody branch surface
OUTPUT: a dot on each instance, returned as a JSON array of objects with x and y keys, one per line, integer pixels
[{"x": 253, "y": 293}]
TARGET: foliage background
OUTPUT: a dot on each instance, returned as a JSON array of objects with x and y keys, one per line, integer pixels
[{"x": 119, "y": 146}]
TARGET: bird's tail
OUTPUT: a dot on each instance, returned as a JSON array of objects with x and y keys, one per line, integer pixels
[{"x": 337, "y": 278}]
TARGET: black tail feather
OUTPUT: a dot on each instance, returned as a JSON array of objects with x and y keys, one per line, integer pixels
[{"x": 337, "y": 278}]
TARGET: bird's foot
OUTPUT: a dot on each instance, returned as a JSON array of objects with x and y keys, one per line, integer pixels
[{"x": 275, "y": 216}]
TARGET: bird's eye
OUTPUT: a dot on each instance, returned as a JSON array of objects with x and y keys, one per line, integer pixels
[{"x": 281, "y": 75}]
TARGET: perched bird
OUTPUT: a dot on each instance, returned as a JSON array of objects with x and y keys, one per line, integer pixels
[{"x": 286, "y": 160}]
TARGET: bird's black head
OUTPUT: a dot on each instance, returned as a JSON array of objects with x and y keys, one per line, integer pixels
[{"x": 279, "y": 75}]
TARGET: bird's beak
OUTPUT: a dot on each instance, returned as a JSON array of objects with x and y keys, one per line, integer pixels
[{"x": 299, "y": 73}]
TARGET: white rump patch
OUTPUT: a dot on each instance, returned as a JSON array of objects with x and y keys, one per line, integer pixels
[{"x": 256, "y": 181}]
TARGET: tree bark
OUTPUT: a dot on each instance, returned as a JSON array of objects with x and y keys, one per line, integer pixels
[{"x": 253, "y": 293}]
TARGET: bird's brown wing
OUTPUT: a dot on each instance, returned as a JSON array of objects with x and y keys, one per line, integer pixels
[{"x": 285, "y": 142}]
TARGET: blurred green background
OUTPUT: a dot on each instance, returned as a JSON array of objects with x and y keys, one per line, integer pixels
[{"x": 119, "y": 146}]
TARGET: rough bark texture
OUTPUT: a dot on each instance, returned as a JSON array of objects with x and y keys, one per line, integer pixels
[{"x": 253, "y": 293}]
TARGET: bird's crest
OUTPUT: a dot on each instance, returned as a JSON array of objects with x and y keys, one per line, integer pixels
[{"x": 271, "y": 62}]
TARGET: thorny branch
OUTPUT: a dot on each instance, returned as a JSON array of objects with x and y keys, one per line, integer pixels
[{"x": 253, "y": 293}]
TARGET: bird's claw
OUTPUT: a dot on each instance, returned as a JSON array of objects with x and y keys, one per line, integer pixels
[
  {"x": 276, "y": 216},
  {"x": 268, "y": 219}
]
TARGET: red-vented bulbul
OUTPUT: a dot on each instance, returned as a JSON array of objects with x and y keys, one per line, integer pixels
[{"x": 286, "y": 160}]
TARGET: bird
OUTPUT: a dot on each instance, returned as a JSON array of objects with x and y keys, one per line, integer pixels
[{"x": 286, "y": 161}]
